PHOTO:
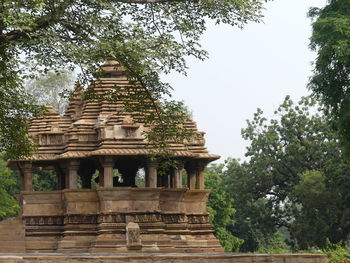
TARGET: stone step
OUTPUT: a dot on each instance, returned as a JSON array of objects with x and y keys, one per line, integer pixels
[
  {"x": 42, "y": 244},
  {"x": 12, "y": 249}
]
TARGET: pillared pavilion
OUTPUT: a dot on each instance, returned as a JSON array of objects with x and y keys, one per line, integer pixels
[{"x": 95, "y": 137}]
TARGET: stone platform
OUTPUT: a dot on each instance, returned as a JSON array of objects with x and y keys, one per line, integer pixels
[
  {"x": 162, "y": 258},
  {"x": 111, "y": 220}
]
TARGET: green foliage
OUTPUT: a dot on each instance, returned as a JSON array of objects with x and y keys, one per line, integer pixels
[
  {"x": 330, "y": 80},
  {"x": 296, "y": 166},
  {"x": 9, "y": 206},
  {"x": 253, "y": 218},
  {"x": 16, "y": 108},
  {"x": 220, "y": 209},
  {"x": 276, "y": 245},
  {"x": 44, "y": 180},
  {"x": 149, "y": 38},
  {"x": 337, "y": 253},
  {"x": 49, "y": 89},
  {"x": 292, "y": 191}
]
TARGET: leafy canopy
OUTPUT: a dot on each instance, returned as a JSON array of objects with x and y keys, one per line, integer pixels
[
  {"x": 148, "y": 37},
  {"x": 220, "y": 208},
  {"x": 50, "y": 89},
  {"x": 331, "y": 77},
  {"x": 294, "y": 184},
  {"x": 9, "y": 206}
]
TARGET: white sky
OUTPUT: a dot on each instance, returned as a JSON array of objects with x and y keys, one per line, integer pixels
[{"x": 250, "y": 68}]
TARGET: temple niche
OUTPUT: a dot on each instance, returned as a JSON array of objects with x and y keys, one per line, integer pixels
[{"x": 99, "y": 155}]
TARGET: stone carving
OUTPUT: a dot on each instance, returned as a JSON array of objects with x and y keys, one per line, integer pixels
[
  {"x": 174, "y": 218},
  {"x": 133, "y": 239},
  {"x": 111, "y": 218},
  {"x": 198, "y": 219},
  {"x": 140, "y": 218},
  {"x": 98, "y": 135},
  {"x": 80, "y": 219},
  {"x": 43, "y": 220}
]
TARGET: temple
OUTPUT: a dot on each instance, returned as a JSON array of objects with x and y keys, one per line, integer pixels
[{"x": 109, "y": 197}]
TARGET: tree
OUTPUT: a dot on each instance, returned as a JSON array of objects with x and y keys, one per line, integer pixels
[
  {"x": 220, "y": 208},
  {"x": 293, "y": 185},
  {"x": 297, "y": 169},
  {"x": 252, "y": 219},
  {"x": 147, "y": 37},
  {"x": 316, "y": 198},
  {"x": 8, "y": 188},
  {"x": 50, "y": 88},
  {"x": 331, "y": 77}
]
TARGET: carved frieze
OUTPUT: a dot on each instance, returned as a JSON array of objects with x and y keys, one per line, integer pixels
[
  {"x": 43, "y": 220},
  {"x": 174, "y": 218},
  {"x": 111, "y": 218},
  {"x": 198, "y": 219},
  {"x": 146, "y": 218},
  {"x": 80, "y": 219}
]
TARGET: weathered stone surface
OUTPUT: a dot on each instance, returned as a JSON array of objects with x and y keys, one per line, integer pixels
[
  {"x": 12, "y": 236},
  {"x": 96, "y": 221},
  {"x": 133, "y": 238},
  {"x": 98, "y": 128},
  {"x": 95, "y": 137},
  {"x": 163, "y": 258}
]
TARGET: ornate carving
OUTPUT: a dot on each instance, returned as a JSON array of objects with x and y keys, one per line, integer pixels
[
  {"x": 111, "y": 218},
  {"x": 198, "y": 219},
  {"x": 43, "y": 220},
  {"x": 55, "y": 139},
  {"x": 145, "y": 218},
  {"x": 133, "y": 239},
  {"x": 80, "y": 219},
  {"x": 174, "y": 218}
]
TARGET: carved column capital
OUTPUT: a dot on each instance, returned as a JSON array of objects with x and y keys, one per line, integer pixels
[
  {"x": 107, "y": 161},
  {"x": 72, "y": 168},
  {"x": 152, "y": 164},
  {"x": 73, "y": 164},
  {"x": 152, "y": 174},
  {"x": 25, "y": 166},
  {"x": 201, "y": 164}
]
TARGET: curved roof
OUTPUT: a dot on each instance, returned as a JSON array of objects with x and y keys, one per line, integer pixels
[{"x": 96, "y": 127}]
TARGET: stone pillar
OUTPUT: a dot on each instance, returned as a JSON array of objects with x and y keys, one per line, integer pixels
[
  {"x": 152, "y": 174},
  {"x": 107, "y": 163},
  {"x": 200, "y": 175},
  {"x": 191, "y": 170},
  {"x": 72, "y": 168},
  {"x": 176, "y": 176},
  {"x": 27, "y": 179},
  {"x": 191, "y": 178}
]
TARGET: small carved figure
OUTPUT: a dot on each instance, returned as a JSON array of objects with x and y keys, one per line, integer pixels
[{"x": 133, "y": 239}]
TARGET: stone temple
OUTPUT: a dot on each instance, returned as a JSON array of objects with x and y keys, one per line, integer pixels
[{"x": 165, "y": 214}]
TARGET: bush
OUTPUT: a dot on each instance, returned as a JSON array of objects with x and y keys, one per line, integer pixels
[{"x": 337, "y": 253}]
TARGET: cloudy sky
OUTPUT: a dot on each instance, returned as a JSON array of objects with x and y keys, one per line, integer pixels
[{"x": 250, "y": 68}]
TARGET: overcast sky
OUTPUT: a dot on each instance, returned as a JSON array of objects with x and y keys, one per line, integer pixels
[{"x": 250, "y": 68}]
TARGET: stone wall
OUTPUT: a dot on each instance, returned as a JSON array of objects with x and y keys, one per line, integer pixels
[
  {"x": 165, "y": 258},
  {"x": 95, "y": 221}
]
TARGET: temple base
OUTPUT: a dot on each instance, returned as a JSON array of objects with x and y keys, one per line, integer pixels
[
  {"x": 162, "y": 258},
  {"x": 111, "y": 220}
]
